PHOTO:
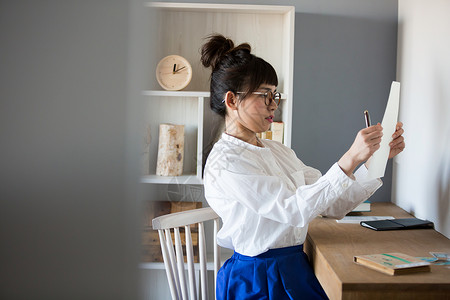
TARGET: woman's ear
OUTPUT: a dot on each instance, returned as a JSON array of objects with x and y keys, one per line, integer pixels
[{"x": 231, "y": 100}]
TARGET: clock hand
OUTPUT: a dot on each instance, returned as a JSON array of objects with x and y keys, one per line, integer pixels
[
  {"x": 174, "y": 68},
  {"x": 180, "y": 69}
]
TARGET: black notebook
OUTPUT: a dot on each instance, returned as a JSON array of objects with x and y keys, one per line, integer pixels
[{"x": 397, "y": 224}]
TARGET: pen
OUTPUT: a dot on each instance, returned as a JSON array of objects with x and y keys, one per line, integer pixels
[{"x": 367, "y": 118}]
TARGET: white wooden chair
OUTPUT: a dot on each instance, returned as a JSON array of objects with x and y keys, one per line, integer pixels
[{"x": 174, "y": 261}]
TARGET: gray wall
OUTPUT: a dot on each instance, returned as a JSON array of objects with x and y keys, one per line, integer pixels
[
  {"x": 345, "y": 61},
  {"x": 67, "y": 219},
  {"x": 343, "y": 65}
]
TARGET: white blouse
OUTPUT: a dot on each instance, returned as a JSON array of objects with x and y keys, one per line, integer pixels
[{"x": 266, "y": 196}]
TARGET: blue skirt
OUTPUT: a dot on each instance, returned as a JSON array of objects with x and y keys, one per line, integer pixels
[{"x": 282, "y": 273}]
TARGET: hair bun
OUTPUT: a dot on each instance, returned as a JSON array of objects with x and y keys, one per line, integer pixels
[{"x": 218, "y": 46}]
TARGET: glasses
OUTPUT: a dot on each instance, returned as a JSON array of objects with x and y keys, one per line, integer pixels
[{"x": 268, "y": 97}]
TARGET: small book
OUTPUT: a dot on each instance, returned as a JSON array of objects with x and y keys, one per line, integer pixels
[
  {"x": 365, "y": 206},
  {"x": 277, "y": 129},
  {"x": 393, "y": 263},
  {"x": 398, "y": 224}
]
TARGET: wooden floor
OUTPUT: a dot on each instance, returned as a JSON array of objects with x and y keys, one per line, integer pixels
[{"x": 331, "y": 247}]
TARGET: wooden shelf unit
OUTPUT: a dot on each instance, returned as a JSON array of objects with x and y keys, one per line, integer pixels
[{"x": 181, "y": 29}]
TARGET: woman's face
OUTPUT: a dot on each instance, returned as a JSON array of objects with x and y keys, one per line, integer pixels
[{"x": 253, "y": 113}]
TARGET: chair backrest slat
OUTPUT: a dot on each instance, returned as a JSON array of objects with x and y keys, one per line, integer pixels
[
  {"x": 180, "y": 264},
  {"x": 167, "y": 265},
  {"x": 202, "y": 254},
  {"x": 174, "y": 260},
  {"x": 190, "y": 262}
]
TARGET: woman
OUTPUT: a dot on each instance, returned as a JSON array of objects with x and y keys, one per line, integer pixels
[{"x": 263, "y": 193}]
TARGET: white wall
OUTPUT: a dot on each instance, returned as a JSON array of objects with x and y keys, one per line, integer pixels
[{"x": 422, "y": 173}]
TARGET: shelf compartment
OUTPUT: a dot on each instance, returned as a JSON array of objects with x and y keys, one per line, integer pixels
[{"x": 270, "y": 31}]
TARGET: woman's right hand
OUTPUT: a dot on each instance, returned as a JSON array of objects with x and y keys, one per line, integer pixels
[{"x": 367, "y": 141}]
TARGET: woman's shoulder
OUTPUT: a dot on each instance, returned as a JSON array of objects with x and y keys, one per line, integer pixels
[
  {"x": 232, "y": 157},
  {"x": 278, "y": 147}
]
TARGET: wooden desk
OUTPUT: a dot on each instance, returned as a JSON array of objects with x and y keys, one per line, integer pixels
[{"x": 331, "y": 247}]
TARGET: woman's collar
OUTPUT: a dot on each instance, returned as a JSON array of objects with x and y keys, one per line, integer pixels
[{"x": 241, "y": 143}]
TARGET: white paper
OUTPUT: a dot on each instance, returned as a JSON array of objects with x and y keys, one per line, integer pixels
[
  {"x": 357, "y": 219},
  {"x": 379, "y": 159}
]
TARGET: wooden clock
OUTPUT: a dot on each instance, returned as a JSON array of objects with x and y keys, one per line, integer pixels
[{"x": 173, "y": 72}]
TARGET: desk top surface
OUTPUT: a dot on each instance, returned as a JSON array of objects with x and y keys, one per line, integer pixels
[{"x": 338, "y": 243}]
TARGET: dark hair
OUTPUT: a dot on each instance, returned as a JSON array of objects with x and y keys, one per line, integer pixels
[{"x": 234, "y": 69}]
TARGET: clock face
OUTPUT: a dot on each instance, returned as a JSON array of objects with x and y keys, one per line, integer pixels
[{"x": 173, "y": 73}]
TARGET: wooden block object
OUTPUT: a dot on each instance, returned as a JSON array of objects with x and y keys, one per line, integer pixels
[
  {"x": 151, "y": 247},
  {"x": 155, "y": 209},
  {"x": 170, "y": 150}
]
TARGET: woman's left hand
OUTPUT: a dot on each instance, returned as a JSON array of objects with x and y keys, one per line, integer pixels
[{"x": 398, "y": 143}]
